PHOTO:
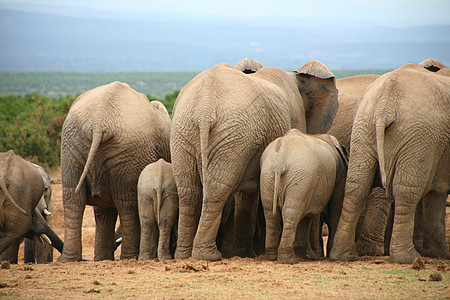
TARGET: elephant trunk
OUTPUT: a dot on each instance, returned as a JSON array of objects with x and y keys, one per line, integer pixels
[
  {"x": 96, "y": 140},
  {"x": 40, "y": 226}
]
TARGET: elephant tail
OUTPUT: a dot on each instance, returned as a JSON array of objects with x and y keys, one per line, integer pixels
[
  {"x": 204, "y": 138},
  {"x": 96, "y": 140},
  {"x": 277, "y": 175},
  {"x": 158, "y": 202}
]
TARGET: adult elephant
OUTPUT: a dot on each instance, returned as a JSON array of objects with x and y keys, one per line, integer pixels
[
  {"x": 401, "y": 124},
  {"x": 32, "y": 252},
  {"x": 222, "y": 123},
  {"x": 110, "y": 134},
  {"x": 21, "y": 188}
]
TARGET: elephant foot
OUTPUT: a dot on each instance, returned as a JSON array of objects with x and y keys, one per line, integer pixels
[
  {"x": 245, "y": 252},
  {"x": 164, "y": 256},
  {"x": 211, "y": 254},
  {"x": 183, "y": 252},
  {"x": 66, "y": 258},
  {"x": 403, "y": 257},
  {"x": 364, "y": 247},
  {"x": 434, "y": 252},
  {"x": 145, "y": 256},
  {"x": 287, "y": 256},
  {"x": 344, "y": 253},
  {"x": 128, "y": 256},
  {"x": 270, "y": 254}
]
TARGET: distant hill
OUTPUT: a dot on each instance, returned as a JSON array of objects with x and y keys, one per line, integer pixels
[
  {"x": 91, "y": 42},
  {"x": 60, "y": 84}
]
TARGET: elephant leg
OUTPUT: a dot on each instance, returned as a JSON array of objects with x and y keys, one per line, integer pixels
[
  {"x": 315, "y": 238},
  {"x": 105, "y": 224},
  {"x": 418, "y": 228},
  {"x": 74, "y": 206},
  {"x": 371, "y": 239},
  {"x": 204, "y": 246},
  {"x": 131, "y": 231},
  {"x": 273, "y": 230},
  {"x": 148, "y": 245},
  {"x": 246, "y": 206},
  {"x": 44, "y": 253},
  {"x": 434, "y": 204},
  {"x": 225, "y": 234},
  {"x": 302, "y": 236},
  {"x": 165, "y": 228},
  {"x": 291, "y": 220},
  {"x": 389, "y": 226},
  {"x": 360, "y": 177},
  {"x": 29, "y": 255},
  {"x": 402, "y": 248},
  {"x": 189, "y": 214},
  {"x": 11, "y": 252}
]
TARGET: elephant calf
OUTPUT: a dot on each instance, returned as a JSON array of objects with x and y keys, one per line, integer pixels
[
  {"x": 300, "y": 175},
  {"x": 158, "y": 209}
]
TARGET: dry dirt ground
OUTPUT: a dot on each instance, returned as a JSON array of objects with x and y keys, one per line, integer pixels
[{"x": 368, "y": 278}]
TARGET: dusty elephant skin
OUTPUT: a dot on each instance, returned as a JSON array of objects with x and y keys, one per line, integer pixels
[
  {"x": 158, "y": 210},
  {"x": 21, "y": 188},
  {"x": 223, "y": 119},
  {"x": 402, "y": 125},
  {"x": 300, "y": 175},
  {"x": 110, "y": 134},
  {"x": 35, "y": 252}
]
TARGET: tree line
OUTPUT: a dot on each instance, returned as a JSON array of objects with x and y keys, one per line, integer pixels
[{"x": 31, "y": 125}]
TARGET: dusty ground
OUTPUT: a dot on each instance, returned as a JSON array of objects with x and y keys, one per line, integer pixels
[{"x": 370, "y": 277}]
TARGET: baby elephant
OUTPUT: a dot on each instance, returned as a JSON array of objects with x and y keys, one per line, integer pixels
[
  {"x": 300, "y": 175},
  {"x": 158, "y": 209}
]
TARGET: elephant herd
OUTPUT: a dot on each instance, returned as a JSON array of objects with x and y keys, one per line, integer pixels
[{"x": 253, "y": 161}]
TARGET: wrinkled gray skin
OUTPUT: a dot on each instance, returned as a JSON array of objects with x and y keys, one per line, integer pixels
[
  {"x": 158, "y": 210},
  {"x": 21, "y": 188},
  {"x": 110, "y": 134},
  {"x": 35, "y": 249},
  {"x": 222, "y": 122},
  {"x": 401, "y": 126},
  {"x": 300, "y": 175}
]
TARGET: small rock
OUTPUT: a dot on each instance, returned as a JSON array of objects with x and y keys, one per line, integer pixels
[
  {"x": 6, "y": 264},
  {"x": 435, "y": 277},
  {"x": 418, "y": 264}
]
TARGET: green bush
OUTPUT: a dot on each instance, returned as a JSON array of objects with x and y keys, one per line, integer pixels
[{"x": 31, "y": 126}]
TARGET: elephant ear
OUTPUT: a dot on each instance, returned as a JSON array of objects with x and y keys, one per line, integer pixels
[
  {"x": 432, "y": 65},
  {"x": 248, "y": 66},
  {"x": 317, "y": 85}
]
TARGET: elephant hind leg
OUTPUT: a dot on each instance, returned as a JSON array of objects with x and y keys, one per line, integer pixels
[
  {"x": 402, "y": 248},
  {"x": 434, "y": 224},
  {"x": 105, "y": 221}
]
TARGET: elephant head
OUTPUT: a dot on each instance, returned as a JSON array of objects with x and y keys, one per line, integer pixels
[{"x": 317, "y": 85}]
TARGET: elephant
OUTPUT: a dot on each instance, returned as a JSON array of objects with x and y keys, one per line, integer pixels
[
  {"x": 248, "y": 65},
  {"x": 300, "y": 175},
  {"x": 158, "y": 210},
  {"x": 402, "y": 128},
  {"x": 223, "y": 121},
  {"x": 108, "y": 137},
  {"x": 33, "y": 253},
  {"x": 21, "y": 189}
]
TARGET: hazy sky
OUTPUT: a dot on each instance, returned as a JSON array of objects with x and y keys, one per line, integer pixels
[{"x": 387, "y": 12}]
